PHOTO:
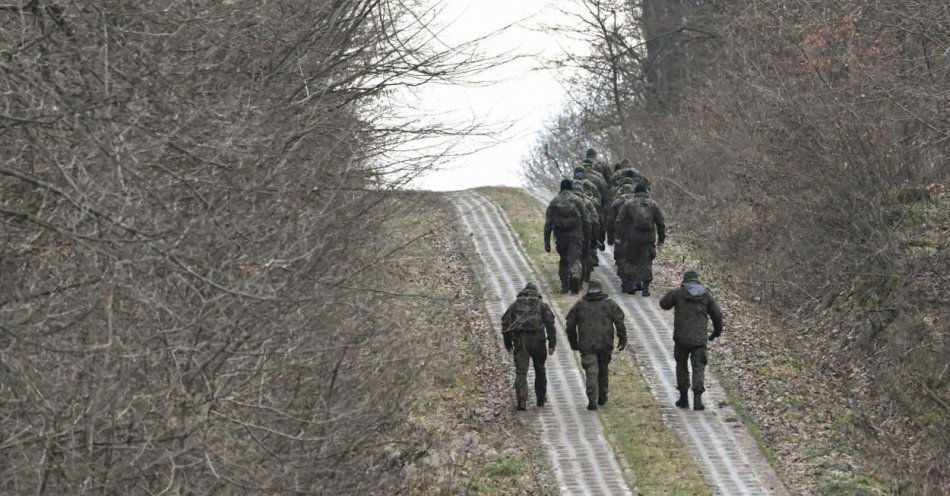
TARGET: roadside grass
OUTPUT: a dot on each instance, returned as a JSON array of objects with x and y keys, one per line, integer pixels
[
  {"x": 642, "y": 441},
  {"x": 459, "y": 436}
]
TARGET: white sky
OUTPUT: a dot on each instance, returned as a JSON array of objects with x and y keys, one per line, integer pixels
[{"x": 523, "y": 96}]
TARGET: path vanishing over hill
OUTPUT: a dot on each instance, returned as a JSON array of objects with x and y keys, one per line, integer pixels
[{"x": 583, "y": 461}]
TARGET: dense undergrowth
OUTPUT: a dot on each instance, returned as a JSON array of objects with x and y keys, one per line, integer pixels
[{"x": 801, "y": 148}]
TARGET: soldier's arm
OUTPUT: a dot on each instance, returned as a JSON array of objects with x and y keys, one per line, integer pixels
[
  {"x": 715, "y": 313},
  {"x": 505, "y": 323},
  {"x": 547, "y": 317},
  {"x": 571, "y": 327},
  {"x": 668, "y": 300},
  {"x": 616, "y": 314},
  {"x": 660, "y": 223}
]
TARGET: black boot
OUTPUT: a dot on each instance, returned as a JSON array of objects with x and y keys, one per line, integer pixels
[
  {"x": 591, "y": 406},
  {"x": 683, "y": 402},
  {"x": 522, "y": 405},
  {"x": 636, "y": 288},
  {"x": 602, "y": 399},
  {"x": 542, "y": 398},
  {"x": 646, "y": 288},
  {"x": 698, "y": 401},
  {"x": 575, "y": 285}
]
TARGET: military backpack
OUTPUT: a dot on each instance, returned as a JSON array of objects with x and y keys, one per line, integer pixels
[
  {"x": 636, "y": 214},
  {"x": 564, "y": 213},
  {"x": 527, "y": 315}
]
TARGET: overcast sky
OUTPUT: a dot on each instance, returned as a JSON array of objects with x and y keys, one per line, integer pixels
[{"x": 521, "y": 95}]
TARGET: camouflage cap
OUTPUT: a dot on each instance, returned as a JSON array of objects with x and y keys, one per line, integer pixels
[
  {"x": 690, "y": 275},
  {"x": 567, "y": 184},
  {"x": 531, "y": 286},
  {"x": 591, "y": 152},
  {"x": 594, "y": 287},
  {"x": 641, "y": 188}
]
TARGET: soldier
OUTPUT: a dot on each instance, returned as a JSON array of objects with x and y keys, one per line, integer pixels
[
  {"x": 591, "y": 324},
  {"x": 587, "y": 193},
  {"x": 568, "y": 219},
  {"x": 598, "y": 164},
  {"x": 626, "y": 192},
  {"x": 695, "y": 305},
  {"x": 522, "y": 327},
  {"x": 625, "y": 168},
  {"x": 638, "y": 228},
  {"x": 597, "y": 180}
]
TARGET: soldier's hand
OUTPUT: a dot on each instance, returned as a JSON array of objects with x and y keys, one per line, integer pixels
[
  {"x": 713, "y": 336},
  {"x": 547, "y": 247},
  {"x": 621, "y": 346},
  {"x": 601, "y": 246},
  {"x": 551, "y": 350},
  {"x": 509, "y": 349}
]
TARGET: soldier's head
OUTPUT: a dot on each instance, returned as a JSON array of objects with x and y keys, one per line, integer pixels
[
  {"x": 587, "y": 162},
  {"x": 690, "y": 275},
  {"x": 624, "y": 164},
  {"x": 567, "y": 185},
  {"x": 594, "y": 287},
  {"x": 640, "y": 188},
  {"x": 629, "y": 173},
  {"x": 529, "y": 289},
  {"x": 591, "y": 153}
]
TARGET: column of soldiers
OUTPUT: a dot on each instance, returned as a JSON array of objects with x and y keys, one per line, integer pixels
[{"x": 601, "y": 205}]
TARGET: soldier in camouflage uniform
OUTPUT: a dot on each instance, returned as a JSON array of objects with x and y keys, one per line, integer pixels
[
  {"x": 638, "y": 228},
  {"x": 587, "y": 193},
  {"x": 591, "y": 324},
  {"x": 626, "y": 192},
  {"x": 568, "y": 219},
  {"x": 693, "y": 306},
  {"x": 625, "y": 169},
  {"x": 598, "y": 165},
  {"x": 523, "y": 327}
]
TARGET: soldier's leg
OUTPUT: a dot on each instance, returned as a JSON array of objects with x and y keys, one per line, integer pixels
[
  {"x": 603, "y": 379},
  {"x": 625, "y": 269},
  {"x": 539, "y": 354},
  {"x": 697, "y": 357},
  {"x": 563, "y": 267},
  {"x": 681, "y": 355},
  {"x": 521, "y": 374},
  {"x": 640, "y": 259},
  {"x": 591, "y": 371},
  {"x": 575, "y": 251},
  {"x": 648, "y": 269}
]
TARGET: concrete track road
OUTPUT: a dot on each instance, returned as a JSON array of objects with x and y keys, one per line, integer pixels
[{"x": 726, "y": 454}]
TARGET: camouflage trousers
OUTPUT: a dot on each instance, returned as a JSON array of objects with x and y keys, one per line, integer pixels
[
  {"x": 525, "y": 353},
  {"x": 597, "y": 374},
  {"x": 634, "y": 259},
  {"x": 695, "y": 356},
  {"x": 571, "y": 250}
]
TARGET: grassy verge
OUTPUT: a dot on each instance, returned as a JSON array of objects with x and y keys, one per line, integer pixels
[
  {"x": 460, "y": 436},
  {"x": 653, "y": 452}
]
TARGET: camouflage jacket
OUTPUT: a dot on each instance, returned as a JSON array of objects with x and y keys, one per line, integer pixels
[
  {"x": 693, "y": 306},
  {"x": 591, "y": 324}
]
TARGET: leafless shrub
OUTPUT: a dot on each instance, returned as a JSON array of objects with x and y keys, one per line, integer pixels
[
  {"x": 191, "y": 196},
  {"x": 784, "y": 138}
]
